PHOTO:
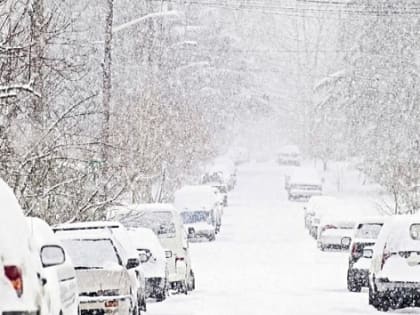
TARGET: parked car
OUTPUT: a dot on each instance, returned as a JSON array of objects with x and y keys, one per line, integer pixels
[
  {"x": 102, "y": 271},
  {"x": 223, "y": 171},
  {"x": 335, "y": 232},
  {"x": 120, "y": 233},
  {"x": 57, "y": 269},
  {"x": 166, "y": 222},
  {"x": 21, "y": 276},
  {"x": 222, "y": 192},
  {"x": 198, "y": 223},
  {"x": 394, "y": 274},
  {"x": 365, "y": 235},
  {"x": 154, "y": 261},
  {"x": 304, "y": 183},
  {"x": 315, "y": 208},
  {"x": 289, "y": 155},
  {"x": 200, "y": 197}
]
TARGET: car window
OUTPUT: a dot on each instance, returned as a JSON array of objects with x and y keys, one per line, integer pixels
[
  {"x": 190, "y": 217},
  {"x": 368, "y": 230},
  {"x": 415, "y": 232},
  {"x": 92, "y": 253}
]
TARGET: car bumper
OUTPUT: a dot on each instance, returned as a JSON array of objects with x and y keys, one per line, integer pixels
[
  {"x": 304, "y": 193},
  {"x": 120, "y": 305}
]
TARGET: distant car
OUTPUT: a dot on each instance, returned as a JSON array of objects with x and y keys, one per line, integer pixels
[
  {"x": 289, "y": 155},
  {"x": 304, "y": 183},
  {"x": 222, "y": 190},
  {"x": 335, "y": 233},
  {"x": 154, "y": 261},
  {"x": 198, "y": 223},
  {"x": 121, "y": 236},
  {"x": 201, "y": 197},
  {"x": 223, "y": 171},
  {"x": 21, "y": 276},
  {"x": 57, "y": 269},
  {"x": 315, "y": 208},
  {"x": 166, "y": 222},
  {"x": 394, "y": 275},
  {"x": 102, "y": 271},
  {"x": 366, "y": 233}
]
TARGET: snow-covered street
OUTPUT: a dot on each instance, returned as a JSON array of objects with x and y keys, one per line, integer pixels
[{"x": 264, "y": 261}]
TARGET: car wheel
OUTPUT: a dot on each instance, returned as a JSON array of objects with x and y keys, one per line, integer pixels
[
  {"x": 382, "y": 302},
  {"x": 352, "y": 285},
  {"x": 192, "y": 281},
  {"x": 212, "y": 238}
]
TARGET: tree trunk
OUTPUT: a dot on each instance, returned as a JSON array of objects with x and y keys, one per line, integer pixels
[{"x": 106, "y": 92}]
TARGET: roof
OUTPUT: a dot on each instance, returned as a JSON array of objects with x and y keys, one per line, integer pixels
[
  {"x": 200, "y": 196},
  {"x": 90, "y": 225},
  {"x": 305, "y": 175}
]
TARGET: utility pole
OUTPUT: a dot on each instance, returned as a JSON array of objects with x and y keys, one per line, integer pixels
[{"x": 106, "y": 92}]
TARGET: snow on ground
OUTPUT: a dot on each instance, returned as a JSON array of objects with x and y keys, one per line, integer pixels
[{"x": 264, "y": 261}]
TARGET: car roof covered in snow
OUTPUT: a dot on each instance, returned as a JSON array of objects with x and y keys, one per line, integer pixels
[
  {"x": 197, "y": 196},
  {"x": 145, "y": 238},
  {"x": 305, "y": 175},
  {"x": 395, "y": 234},
  {"x": 289, "y": 149},
  {"x": 90, "y": 225}
]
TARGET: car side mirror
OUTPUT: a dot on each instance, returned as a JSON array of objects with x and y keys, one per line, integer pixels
[
  {"x": 368, "y": 253},
  {"x": 345, "y": 242},
  {"x": 168, "y": 253},
  {"x": 143, "y": 257},
  {"x": 52, "y": 255},
  {"x": 132, "y": 263}
]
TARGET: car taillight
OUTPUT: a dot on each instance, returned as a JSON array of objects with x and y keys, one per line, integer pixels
[
  {"x": 328, "y": 227},
  {"x": 179, "y": 259},
  {"x": 113, "y": 303},
  {"x": 14, "y": 274},
  {"x": 353, "y": 251}
]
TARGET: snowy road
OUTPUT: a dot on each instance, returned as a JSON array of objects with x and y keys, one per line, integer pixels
[{"x": 264, "y": 262}]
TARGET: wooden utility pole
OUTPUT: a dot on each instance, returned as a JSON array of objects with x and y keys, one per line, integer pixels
[{"x": 106, "y": 92}]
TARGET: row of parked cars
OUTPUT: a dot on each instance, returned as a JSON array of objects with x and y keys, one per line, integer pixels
[
  {"x": 384, "y": 251},
  {"x": 140, "y": 251}
]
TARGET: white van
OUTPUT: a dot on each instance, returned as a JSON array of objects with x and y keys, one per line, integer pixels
[
  {"x": 165, "y": 221},
  {"x": 200, "y": 197},
  {"x": 21, "y": 282},
  {"x": 61, "y": 278}
]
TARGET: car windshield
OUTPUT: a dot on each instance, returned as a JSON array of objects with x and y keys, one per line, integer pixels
[
  {"x": 190, "y": 217},
  {"x": 368, "y": 230},
  {"x": 92, "y": 253},
  {"x": 161, "y": 222}
]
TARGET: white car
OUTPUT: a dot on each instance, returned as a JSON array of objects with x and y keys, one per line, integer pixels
[
  {"x": 21, "y": 277},
  {"x": 102, "y": 271},
  {"x": 61, "y": 277},
  {"x": 200, "y": 197},
  {"x": 166, "y": 222},
  {"x": 304, "y": 183},
  {"x": 365, "y": 235},
  {"x": 394, "y": 275},
  {"x": 154, "y": 261},
  {"x": 198, "y": 223},
  {"x": 122, "y": 236},
  {"x": 317, "y": 208},
  {"x": 289, "y": 155},
  {"x": 335, "y": 233}
]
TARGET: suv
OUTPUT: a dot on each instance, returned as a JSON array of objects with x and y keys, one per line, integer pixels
[
  {"x": 198, "y": 223},
  {"x": 102, "y": 271},
  {"x": 289, "y": 155},
  {"x": 303, "y": 184},
  {"x": 366, "y": 233},
  {"x": 394, "y": 278},
  {"x": 21, "y": 285}
]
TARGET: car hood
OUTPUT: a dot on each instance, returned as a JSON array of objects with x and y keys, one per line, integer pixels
[{"x": 94, "y": 280}]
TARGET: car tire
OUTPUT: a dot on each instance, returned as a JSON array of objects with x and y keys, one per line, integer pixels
[
  {"x": 352, "y": 285},
  {"x": 212, "y": 238}
]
